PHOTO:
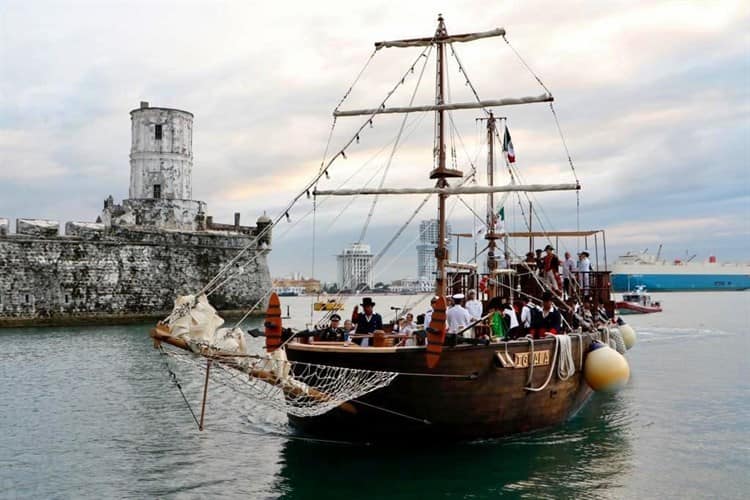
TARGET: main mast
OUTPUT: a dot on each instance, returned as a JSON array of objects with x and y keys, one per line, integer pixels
[{"x": 441, "y": 173}]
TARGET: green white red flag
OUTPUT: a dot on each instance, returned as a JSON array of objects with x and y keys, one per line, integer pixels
[{"x": 508, "y": 146}]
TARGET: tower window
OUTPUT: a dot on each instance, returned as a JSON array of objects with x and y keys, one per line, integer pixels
[
  {"x": 157, "y": 132},
  {"x": 157, "y": 191}
]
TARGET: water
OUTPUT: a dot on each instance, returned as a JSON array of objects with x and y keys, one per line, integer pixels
[{"x": 90, "y": 412}]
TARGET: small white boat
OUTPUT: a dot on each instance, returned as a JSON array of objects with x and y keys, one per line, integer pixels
[{"x": 638, "y": 301}]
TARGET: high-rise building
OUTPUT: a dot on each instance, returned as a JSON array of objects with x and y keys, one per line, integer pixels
[
  {"x": 355, "y": 267},
  {"x": 428, "y": 240}
]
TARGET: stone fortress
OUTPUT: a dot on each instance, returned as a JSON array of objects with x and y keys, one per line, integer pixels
[{"x": 139, "y": 255}]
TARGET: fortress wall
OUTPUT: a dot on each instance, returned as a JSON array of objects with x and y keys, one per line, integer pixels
[{"x": 119, "y": 273}]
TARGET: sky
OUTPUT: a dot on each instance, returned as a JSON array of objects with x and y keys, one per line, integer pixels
[{"x": 653, "y": 99}]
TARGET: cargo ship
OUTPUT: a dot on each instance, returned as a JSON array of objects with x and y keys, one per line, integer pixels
[{"x": 635, "y": 269}]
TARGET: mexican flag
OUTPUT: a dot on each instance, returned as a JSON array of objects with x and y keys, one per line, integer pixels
[
  {"x": 500, "y": 219},
  {"x": 508, "y": 146},
  {"x": 501, "y": 213}
]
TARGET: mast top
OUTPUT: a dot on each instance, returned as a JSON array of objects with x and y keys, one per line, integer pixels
[{"x": 441, "y": 30}]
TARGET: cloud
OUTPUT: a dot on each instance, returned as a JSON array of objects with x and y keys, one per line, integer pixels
[{"x": 653, "y": 101}]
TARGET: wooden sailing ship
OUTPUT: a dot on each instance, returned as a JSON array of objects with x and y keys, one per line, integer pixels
[
  {"x": 474, "y": 391},
  {"x": 449, "y": 389}
]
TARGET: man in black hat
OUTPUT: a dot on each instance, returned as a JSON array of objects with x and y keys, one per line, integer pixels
[
  {"x": 547, "y": 319},
  {"x": 368, "y": 321}
]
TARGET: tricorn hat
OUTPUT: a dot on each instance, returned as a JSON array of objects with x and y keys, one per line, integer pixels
[
  {"x": 367, "y": 301},
  {"x": 549, "y": 247},
  {"x": 335, "y": 317},
  {"x": 584, "y": 253},
  {"x": 547, "y": 295}
]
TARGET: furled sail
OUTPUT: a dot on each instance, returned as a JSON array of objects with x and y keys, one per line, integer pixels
[
  {"x": 421, "y": 42},
  {"x": 508, "y": 101},
  {"x": 450, "y": 190}
]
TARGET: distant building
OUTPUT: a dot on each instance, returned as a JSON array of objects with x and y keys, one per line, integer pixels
[
  {"x": 354, "y": 267},
  {"x": 412, "y": 285},
  {"x": 428, "y": 240},
  {"x": 297, "y": 284}
]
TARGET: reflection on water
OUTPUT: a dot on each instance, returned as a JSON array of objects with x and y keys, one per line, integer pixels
[{"x": 589, "y": 455}]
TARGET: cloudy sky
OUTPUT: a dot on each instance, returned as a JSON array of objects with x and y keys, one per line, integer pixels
[{"x": 653, "y": 99}]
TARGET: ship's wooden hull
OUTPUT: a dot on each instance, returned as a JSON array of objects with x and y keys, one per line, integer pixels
[{"x": 486, "y": 400}]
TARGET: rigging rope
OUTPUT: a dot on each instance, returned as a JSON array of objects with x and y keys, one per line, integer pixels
[
  {"x": 323, "y": 171},
  {"x": 395, "y": 147},
  {"x": 526, "y": 65}
]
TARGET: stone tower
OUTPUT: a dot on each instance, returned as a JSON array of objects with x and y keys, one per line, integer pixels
[
  {"x": 161, "y": 154},
  {"x": 161, "y": 166}
]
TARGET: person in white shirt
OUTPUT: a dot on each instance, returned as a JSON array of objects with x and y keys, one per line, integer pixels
[
  {"x": 584, "y": 270},
  {"x": 457, "y": 316},
  {"x": 569, "y": 269},
  {"x": 474, "y": 306}
]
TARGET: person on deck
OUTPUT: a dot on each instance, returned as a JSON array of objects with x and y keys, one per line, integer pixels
[
  {"x": 408, "y": 326},
  {"x": 584, "y": 272},
  {"x": 457, "y": 316},
  {"x": 348, "y": 329},
  {"x": 523, "y": 312},
  {"x": 368, "y": 321},
  {"x": 511, "y": 321},
  {"x": 474, "y": 306},
  {"x": 552, "y": 269},
  {"x": 569, "y": 269},
  {"x": 539, "y": 262},
  {"x": 547, "y": 319},
  {"x": 334, "y": 332}
]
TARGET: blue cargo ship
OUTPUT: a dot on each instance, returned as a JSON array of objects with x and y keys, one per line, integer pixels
[{"x": 641, "y": 269}]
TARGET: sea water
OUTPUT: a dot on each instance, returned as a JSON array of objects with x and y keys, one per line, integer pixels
[{"x": 91, "y": 412}]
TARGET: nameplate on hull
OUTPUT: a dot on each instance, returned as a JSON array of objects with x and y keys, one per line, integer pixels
[{"x": 521, "y": 360}]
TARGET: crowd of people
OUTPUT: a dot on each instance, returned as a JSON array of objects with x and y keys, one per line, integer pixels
[
  {"x": 468, "y": 318},
  {"x": 563, "y": 278},
  {"x": 568, "y": 282}
]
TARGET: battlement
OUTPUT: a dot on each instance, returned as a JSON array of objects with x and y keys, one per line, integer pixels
[{"x": 210, "y": 234}]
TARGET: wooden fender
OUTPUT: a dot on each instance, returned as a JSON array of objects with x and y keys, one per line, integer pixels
[
  {"x": 273, "y": 323},
  {"x": 436, "y": 333}
]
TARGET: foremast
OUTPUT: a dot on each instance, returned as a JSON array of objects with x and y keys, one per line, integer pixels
[{"x": 441, "y": 172}]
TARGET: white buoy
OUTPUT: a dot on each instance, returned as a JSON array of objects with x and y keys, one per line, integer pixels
[
  {"x": 628, "y": 335},
  {"x": 605, "y": 369}
]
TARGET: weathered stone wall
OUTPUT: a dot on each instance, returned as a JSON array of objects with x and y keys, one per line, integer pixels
[
  {"x": 37, "y": 227},
  {"x": 164, "y": 159},
  {"x": 120, "y": 273}
]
